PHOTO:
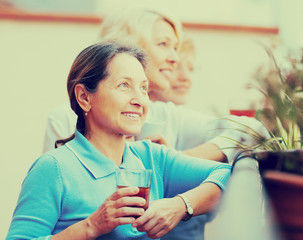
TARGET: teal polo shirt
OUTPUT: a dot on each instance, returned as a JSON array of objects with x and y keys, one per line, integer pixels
[{"x": 69, "y": 183}]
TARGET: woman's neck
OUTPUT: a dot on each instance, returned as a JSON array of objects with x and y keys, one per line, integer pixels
[{"x": 111, "y": 146}]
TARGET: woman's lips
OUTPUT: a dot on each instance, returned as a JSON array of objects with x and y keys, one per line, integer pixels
[
  {"x": 167, "y": 73},
  {"x": 132, "y": 115},
  {"x": 181, "y": 88}
]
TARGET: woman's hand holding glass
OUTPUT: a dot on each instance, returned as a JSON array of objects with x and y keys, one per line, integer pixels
[
  {"x": 161, "y": 217},
  {"x": 115, "y": 211}
]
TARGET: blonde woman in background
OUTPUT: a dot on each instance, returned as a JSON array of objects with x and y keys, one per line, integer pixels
[
  {"x": 182, "y": 75},
  {"x": 194, "y": 133},
  {"x": 159, "y": 34}
]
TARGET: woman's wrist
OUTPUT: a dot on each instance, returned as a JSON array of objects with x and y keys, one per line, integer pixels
[
  {"x": 180, "y": 206},
  {"x": 89, "y": 229},
  {"x": 79, "y": 231}
]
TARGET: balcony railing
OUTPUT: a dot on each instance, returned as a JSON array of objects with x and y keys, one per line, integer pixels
[{"x": 244, "y": 211}]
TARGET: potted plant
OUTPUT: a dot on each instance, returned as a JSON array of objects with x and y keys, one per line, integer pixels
[{"x": 280, "y": 157}]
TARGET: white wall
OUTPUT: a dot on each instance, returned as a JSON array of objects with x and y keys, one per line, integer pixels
[
  {"x": 226, "y": 62},
  {"x": 234, "y": 12},
  {"x": 35, "y": 59}
]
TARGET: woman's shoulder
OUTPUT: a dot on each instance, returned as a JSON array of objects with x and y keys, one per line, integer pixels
[
  {"x": 56, "y": 153},
  {"x": 52, "y": 158}
]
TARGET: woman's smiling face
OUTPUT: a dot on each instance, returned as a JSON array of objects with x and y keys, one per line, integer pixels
[
  {"x": 182, "y": 79},
  {"x": 120, "y": 104},
  {"x": 162, "y": 49}
]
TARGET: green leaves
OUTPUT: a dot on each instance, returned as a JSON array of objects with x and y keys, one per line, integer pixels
[{"x": 282, "y": 112}]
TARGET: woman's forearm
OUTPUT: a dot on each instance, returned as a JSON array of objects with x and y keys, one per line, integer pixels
[
  {"x": 77, "y": 231},
  {"x": 204, "y": 198},
  {"x": 207, "y": 151},
  {"x": 164, "y": 214}
]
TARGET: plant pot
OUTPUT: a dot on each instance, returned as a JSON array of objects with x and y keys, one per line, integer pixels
[
  {"x": 285, "y": 192},
  {"x": 282, "y": 175},
  {"x": 290, "y": 161}
]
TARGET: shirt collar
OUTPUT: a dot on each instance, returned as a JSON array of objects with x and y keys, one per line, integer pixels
[{"x": 95, "y": 162}]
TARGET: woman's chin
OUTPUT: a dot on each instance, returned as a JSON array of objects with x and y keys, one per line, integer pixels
[
  {"x": 132, "y": 133},
  {"x": 178, "y": 99},
  {"x": 160, "y": 85}
]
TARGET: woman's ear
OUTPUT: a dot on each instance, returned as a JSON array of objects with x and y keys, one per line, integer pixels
[{"x": 82, "y": 97}]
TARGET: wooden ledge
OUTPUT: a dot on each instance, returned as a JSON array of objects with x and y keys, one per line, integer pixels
[
  {"x": 9, "y": 12},
  {"x": 232, "y": 28}
]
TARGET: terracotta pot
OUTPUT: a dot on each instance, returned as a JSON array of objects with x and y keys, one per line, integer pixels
[
  {"x": 285, "y": 192},
  {"x": 282, "y": 175}
]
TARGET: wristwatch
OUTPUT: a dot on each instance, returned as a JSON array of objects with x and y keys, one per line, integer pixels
[{"x": 189, "y": 209}]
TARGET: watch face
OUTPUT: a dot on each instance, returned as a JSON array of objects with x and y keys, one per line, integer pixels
[{"x": 190, "y": 211}]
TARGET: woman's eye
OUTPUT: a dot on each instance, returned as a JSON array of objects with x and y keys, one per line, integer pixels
[
  {"x": 144, "y": 88},
  {"x": 190, "y": 65},
  {"x": 191, "y": 68},
  {"x": 123, "y": 85},
  {"x": 162, "y": 44}
]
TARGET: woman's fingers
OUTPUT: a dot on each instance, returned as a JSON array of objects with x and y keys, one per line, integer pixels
[
  {"x": 124, "y": 191},
  {"x": 130, "y": 201},
  {"x": 154, "y": 224},
  {"x": 147, "y": 221},
  {"x": 129, "y": 212},
  {"x": 125, "y": 203},
  {"x": 122, "y": 221},
  {"x": 156, "y": 228},
  {"x": 162, "y": 216},
  {"x": 148, "y": 226},
  {"x": 122, "y": 207}
]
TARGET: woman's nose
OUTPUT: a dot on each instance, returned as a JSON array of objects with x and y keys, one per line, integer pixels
[
  {"x": 185, "y": 74},
  {"x": 138, "y": 98},
  {"x": 135, "y": 101},
  {"x": 173, "y": 56}
]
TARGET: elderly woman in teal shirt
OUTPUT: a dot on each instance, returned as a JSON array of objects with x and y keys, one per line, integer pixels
[{"x": 70, "y": 192}]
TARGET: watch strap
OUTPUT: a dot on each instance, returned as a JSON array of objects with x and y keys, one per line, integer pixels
[{"x": 189, "y": 210}]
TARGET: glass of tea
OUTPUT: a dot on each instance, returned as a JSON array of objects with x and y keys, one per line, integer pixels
[{"x": 139, "y": 178}]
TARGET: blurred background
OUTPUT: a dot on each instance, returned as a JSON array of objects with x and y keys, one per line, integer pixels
[{"x": 40, "y": 39}]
